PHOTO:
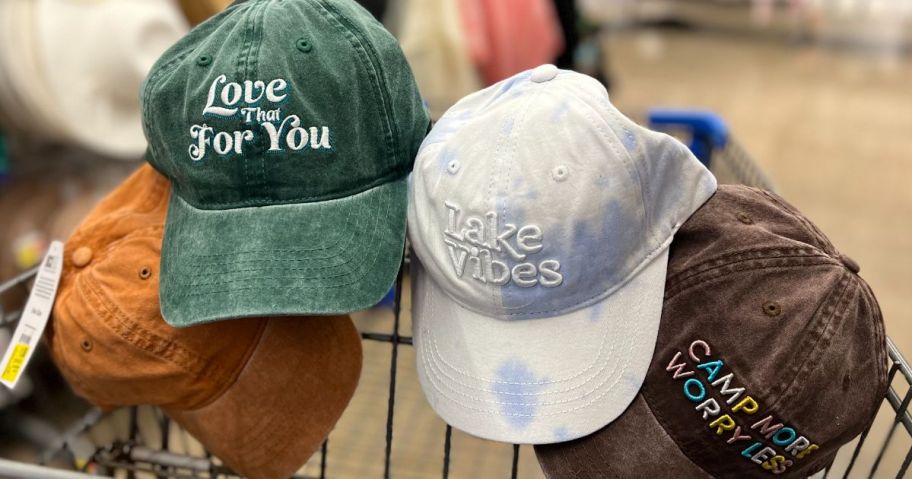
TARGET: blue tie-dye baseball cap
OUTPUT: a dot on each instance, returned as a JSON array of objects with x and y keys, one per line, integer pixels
[{"x": 540, "y": 219}]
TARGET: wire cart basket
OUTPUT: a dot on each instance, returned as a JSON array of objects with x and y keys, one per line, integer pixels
[{"x": 139, "y": 442}]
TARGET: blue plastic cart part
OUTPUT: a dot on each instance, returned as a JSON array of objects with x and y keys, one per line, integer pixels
[{"x": 708, "y": 132}]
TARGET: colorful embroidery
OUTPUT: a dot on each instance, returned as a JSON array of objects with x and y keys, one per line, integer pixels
[{"x": 737, "y": 424}]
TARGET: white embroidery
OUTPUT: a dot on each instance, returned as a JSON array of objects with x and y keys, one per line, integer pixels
[
  {"x": 229, "y": 99},
  {"x": 232, "y": 92},
  {"x": 478, "y": 242}
]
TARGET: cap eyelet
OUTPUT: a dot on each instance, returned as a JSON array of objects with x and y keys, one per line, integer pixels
[
  {"x": 745, "y": 218},
  {"x": 145, "y": 272},
  {"x": 86, "y": 345},
  {"x": 772, "y": 309},
  {"x": 453, "y": 167},
  {"x": 560, "y": 173},
  {"x": 204, "y": 60},
  {"x": 303, "y": 45}
]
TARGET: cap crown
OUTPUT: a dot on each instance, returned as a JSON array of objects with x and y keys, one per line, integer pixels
[
  {"x": 107, "y": 334},
  {"x": 536, "y": 197},
  {"x": 277, "y": 102},
  {"x": 765, "y": 328}
]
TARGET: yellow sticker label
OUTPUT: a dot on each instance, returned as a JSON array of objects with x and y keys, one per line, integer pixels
[{"x": 11, "y": 372}]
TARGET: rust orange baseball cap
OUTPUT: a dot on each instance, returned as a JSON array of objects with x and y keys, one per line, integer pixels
[{"x": 259, "y": 393}]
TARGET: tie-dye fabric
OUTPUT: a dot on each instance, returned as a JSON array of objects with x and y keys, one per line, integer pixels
[{"x": 541, "y": 219}]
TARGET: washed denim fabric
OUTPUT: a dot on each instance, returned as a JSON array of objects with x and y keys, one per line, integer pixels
[
  {"x": 261, "y": 394},
  {"x": 287, "y": 129},
  {"x": 771, "y": 355}
]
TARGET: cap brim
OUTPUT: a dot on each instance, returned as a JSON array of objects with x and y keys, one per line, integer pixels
[
  {"x": 536, "y": 381},
  {"x": 633, "y": 446},
  {"x": 329, "y": 257},
  {"x": 295, "y": 386}
]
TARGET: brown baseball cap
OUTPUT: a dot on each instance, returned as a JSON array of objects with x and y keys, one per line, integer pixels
[
  {"x": 771, "y": 355},
  {"x": 260, "y": 393}
]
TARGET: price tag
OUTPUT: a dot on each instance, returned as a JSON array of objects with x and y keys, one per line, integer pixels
[{"x": 34, "y": 317}]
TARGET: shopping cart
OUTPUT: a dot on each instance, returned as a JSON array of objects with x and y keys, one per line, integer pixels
[{"x": 143, "y": 442}]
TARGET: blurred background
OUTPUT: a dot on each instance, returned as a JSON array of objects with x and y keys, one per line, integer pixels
[{"x": 815, "y": 94}]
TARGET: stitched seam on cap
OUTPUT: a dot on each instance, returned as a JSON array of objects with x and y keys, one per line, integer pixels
[
  {"x": 823, "y": 243},
  {"x": 650, "y": 256},
  {"x": 392, "y": 132},
  {"x": 604, "y": 392},
  {"x": 55, "y": 344},
  {"x": 508, "y": 161},
  {"x": 623, "y": 154},
  {"x": 250, "y": 56},
  {"x": 353, "y": 280},
  {"x": 102, "y": 253},
  {"x": 350, "y": 241},
  {"x": 741, "y": 255},
  {"x": 256, "y": 64},
  {"x": 241, "y": 72},
  {"x": 237, "y": 373},
  {"x": 596, "y": 363},
  {"x": 880, "y": 335},
  {"x": 730, "y": 270},
  {"x": 618, "y": 373},
  {"x": 120, "y": 324},
  {"x": 286, "y": 250},
  {"x": 835, "y": 302},
  {"x": 721, "y": 267},
  {"x": 151, "y": 83},
  {"x": 388, "y": 177},
  {"x": 501, "y": 140},
  {"x": 392, "y": 124}
]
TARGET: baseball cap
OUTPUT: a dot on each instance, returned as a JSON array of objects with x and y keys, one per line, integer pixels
[
  {"x": 541, "y": 217},
  {"x": 287, "y": 129},
  {"x": 259, "y": 393},
  {"x": 771, "y": 355},
  {"x": 92, "y": 57}
]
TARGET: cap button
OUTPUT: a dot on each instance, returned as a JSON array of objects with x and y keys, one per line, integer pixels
[
  {"x": 543, "y": 73},
  {"x": 850, "y": 264},
  {"x": 82, "y": 256}
]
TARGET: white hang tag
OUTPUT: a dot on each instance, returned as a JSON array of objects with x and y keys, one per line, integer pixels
[{"x": 34, "y": 317}]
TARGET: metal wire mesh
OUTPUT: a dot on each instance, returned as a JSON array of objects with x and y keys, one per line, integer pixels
[{"x": 128, "y": 454}]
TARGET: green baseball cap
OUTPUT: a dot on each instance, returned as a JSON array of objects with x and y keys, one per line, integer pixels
[{"x": 287, "y": 129}]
